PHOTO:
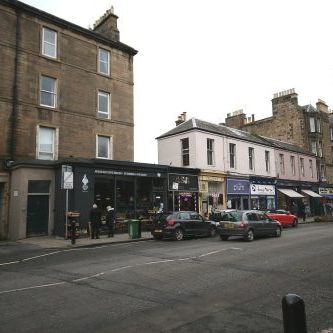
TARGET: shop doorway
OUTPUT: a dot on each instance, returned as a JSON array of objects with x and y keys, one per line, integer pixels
[{"x": 37, "y": 215}]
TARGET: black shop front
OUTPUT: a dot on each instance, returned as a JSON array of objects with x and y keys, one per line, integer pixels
[{"x": 135, "y": 190}]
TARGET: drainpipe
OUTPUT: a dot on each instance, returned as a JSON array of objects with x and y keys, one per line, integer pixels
[{"x": 14, "y": 118}]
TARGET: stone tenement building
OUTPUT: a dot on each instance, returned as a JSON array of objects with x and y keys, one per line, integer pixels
[
  {"x": 65, "y": 92},
  {"x": 305, "y": 126}
]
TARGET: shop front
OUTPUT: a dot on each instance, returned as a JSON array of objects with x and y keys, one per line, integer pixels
[
  {"x": 134, "y": 190},
  {"x": 238, "y": 193},
  {"x": 263, "y": 194},
  {"x": 183, "y": 192},
  {"x": 211, "y": 195},
  {"x": 327, "y": 199}
]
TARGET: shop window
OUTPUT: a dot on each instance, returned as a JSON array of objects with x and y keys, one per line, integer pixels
[{"x": 125, "y": 197}]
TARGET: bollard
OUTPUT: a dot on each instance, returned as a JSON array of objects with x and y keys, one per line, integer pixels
[
  {"x": 293, "y": 308},
  {"x": 73, "y": 231}
]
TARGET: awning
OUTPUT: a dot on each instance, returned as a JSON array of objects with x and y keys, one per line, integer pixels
[
  {"x": 311, "y": 193},
  {"x": 327, "y": 196},
  {"x": 290, "y": 193}
]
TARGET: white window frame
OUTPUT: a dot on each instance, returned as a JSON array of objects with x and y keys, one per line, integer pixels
[
  {"x": 104, "y": 62},
  {"x": 185, "y": 151},
  {"x": 314, "y": 147},
  {"x": 233, "y": 156},
  {"x": 312, "y": 121},
  {"x": 331, "y": 133},
  {"x": 267, "y": 161},
  {"x": 54, "y": 94},
  {"x": 320, "y": 149},
  {"x": 293, "y": 165},
  {"x": 110, "y": 146},
  {"x": 210, "y": 152},
  {"x": 99, "y": 112},
  {"x": 251, "y": 158},
  {"x": 54, "y": 144},
  {"x": 46, "y": 42},
  {"x": 311, "y": 168},
  {"x": 302, "y": 166},
  {"x": 282, "y": 169}
]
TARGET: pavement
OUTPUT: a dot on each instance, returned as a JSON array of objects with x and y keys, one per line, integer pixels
[
  {"x": 53, "y": 242},
  {"x": 50, "y": 242}
]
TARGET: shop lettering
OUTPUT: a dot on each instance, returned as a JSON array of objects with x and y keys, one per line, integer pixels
[
  {"x": 239, "y": 187},
  {"x": 120, "y": 173}
]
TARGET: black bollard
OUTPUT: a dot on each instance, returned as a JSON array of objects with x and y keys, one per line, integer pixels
[
  {"x": 293, "y": 308},
  {"x": 73, "y": 231}
]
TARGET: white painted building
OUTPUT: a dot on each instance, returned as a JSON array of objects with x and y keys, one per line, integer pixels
[{"x": 238, "y": 169}]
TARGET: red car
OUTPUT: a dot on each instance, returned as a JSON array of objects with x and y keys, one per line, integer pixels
[{"x": 284, "y": 217}]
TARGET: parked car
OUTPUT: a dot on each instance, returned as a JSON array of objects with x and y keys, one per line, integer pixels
[
  {"x": 181, "y": 224},
  {"x": 284, "y": 217},
  {"x": 247, "y": 224}
]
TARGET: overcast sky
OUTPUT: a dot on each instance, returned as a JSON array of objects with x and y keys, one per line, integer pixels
[{"x": 209, "y": 58}]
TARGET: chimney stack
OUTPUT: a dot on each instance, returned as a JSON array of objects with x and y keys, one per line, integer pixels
[
  {"x": 181, "y": 118},
  {"x": 236, "y": 120},
  {"x": 107, "y": 25},
  {"x": 287, "y": 99},
  {"x": 322, "y": 106}
]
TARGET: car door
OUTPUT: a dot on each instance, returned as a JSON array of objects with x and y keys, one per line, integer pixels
[
  {"x": 184, "y": 219},
  {"x": 201, "y": 227},
  {"x": 256, "y": 222},
  {"x": 269, "y": 226}
]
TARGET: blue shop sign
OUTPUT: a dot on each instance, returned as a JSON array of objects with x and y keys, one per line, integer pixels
[{"x": 238, "y": 186}]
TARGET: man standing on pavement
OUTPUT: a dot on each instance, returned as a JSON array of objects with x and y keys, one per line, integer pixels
[
  {"x": 95, "y": 221},
  {"x": 110, "y": 219}
]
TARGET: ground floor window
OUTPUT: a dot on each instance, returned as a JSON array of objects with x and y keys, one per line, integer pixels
[
  {"x": 132, "y": 197},
  {"x": 238, "y": 202},
  {"x": 263, "y": 202},
  {"x": 183, "y": 201}
]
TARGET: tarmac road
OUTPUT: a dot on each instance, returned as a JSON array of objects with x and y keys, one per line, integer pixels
[{"x": 199, "y": 285}]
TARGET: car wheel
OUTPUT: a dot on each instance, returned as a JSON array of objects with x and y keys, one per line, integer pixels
[
  {"x": 249, "y": 237},
  {"x": 212, "y": 232},
  {"x": 295, "y": 223},
  {"x": 278, "y": 232},
  {"x": 179, "y": 234},
  {"x": 224, "y": 237}
]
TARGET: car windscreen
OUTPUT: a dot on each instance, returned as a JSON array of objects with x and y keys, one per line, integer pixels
[{"x": 235, "y": 216}]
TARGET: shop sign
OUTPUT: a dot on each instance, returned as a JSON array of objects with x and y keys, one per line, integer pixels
[
  {"x": 185, "y": 182},
  {"x": 203, "y": 187},
  {"x": 325, "y": 190},
  {"x": 212, "y": 178},
  {"x": 258, "y": 189},
  {"x": 123, "y": 173},
  {"x": 85, "y": 182},
  {"x": 238, "y": 186}
]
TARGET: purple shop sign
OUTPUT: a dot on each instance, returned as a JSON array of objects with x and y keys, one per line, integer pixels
[{"x": 238, "y": 186}]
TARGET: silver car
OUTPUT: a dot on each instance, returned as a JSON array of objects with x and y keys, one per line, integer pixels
[{"x": 247, "y": 224}]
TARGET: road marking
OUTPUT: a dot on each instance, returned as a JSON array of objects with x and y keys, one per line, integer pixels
[
  {"x": 40, "y": 256},
  {"x": 33, "y": 287},
  {"x": 9, "y": 263},
  {"x": 112, "y": 270}
]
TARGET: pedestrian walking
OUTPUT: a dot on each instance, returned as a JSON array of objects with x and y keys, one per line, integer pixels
[
  {"x": 95, "y": 221},
  {"x": 110, "y": 220}
]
